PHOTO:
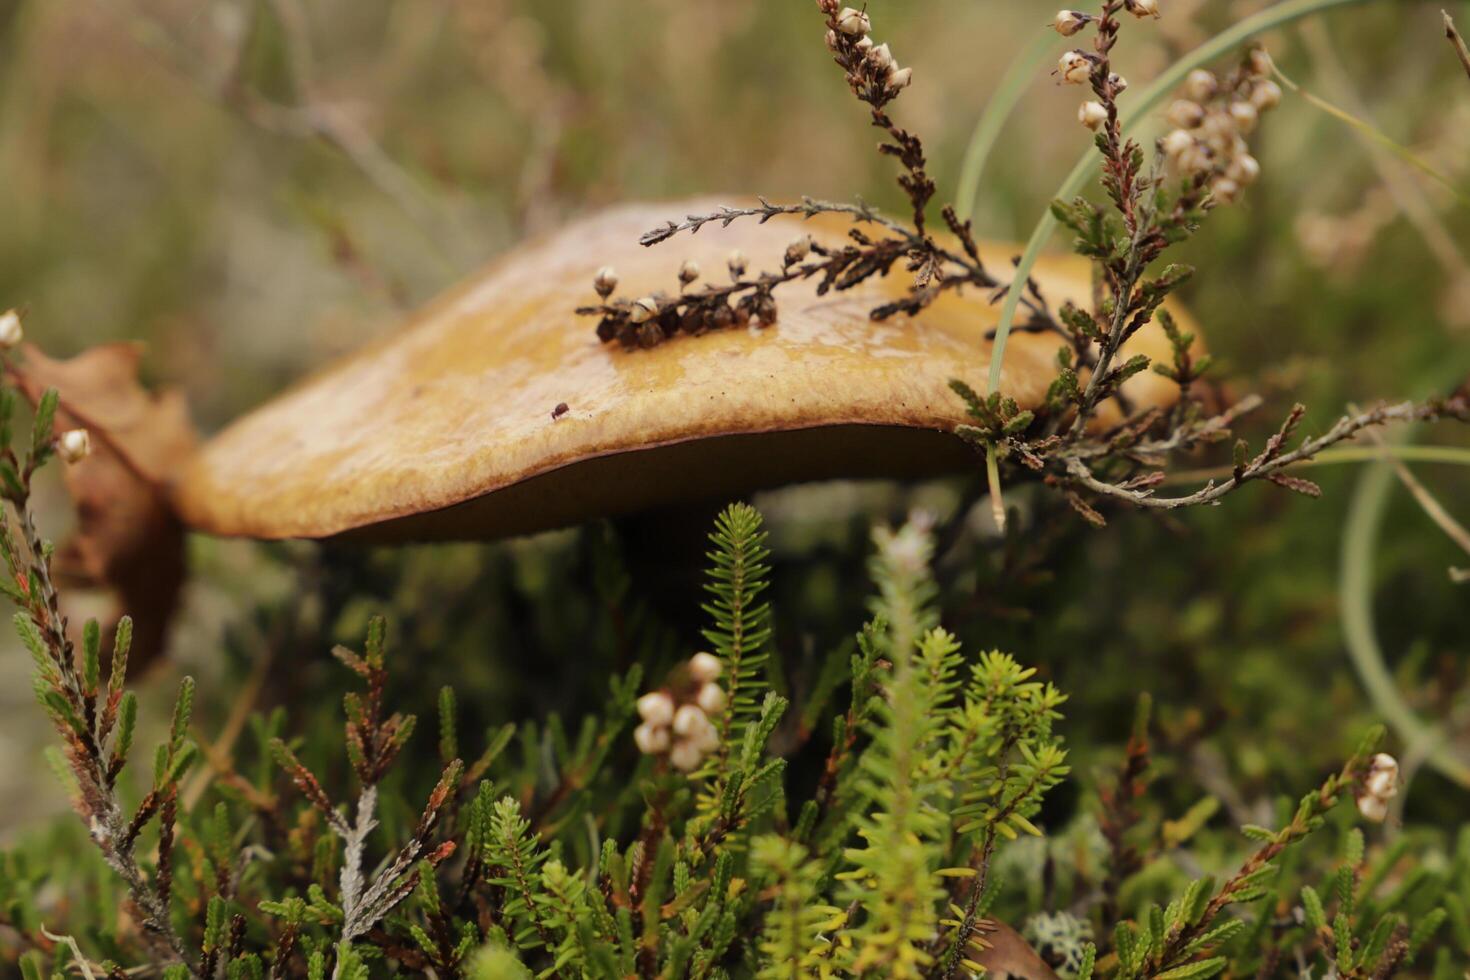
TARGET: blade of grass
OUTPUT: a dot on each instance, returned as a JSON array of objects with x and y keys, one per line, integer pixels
[
  {"x": 1355, "y": 598},
  {"x": 1376, "y": 136},
  {"x": 1427, "y": 501},
  {"x": 1023, "y": 69}
]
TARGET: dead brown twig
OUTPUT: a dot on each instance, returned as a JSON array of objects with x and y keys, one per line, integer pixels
[{"x": 1456, "y": 41}]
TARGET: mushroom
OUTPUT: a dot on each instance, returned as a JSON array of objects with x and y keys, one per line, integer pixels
[{"x": 496, "y": 411}]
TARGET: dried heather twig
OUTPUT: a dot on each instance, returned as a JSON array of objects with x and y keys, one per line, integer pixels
[
  {"x": 1456, "y": 41},
  {"x": 876, "y": 80}
]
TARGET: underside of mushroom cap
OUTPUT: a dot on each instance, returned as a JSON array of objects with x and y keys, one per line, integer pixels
[{"x": 497, "y": 411}]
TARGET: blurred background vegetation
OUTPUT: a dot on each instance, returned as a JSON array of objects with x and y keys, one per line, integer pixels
[{"x": 253, "y": 187}]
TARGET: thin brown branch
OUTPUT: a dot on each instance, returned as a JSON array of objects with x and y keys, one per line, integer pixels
[
  {"x": 1456, "y": 41},
  {"x": 1270, "y": 464}
]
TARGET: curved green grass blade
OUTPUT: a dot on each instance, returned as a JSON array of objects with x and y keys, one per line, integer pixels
[
  {"x": 1022, "y": 70},
  {"x": 1355, "y": 597}
]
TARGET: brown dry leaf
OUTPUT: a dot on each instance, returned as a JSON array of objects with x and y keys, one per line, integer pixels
[
  {"x": 128, "y": 540},
  {"x": 1009, "y": 955}
]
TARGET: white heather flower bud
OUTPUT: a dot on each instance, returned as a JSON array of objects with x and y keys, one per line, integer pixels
[
  {"x": 690, "y": 721},
  {"x": 1244, "y": 170},
  {"x": 10, "y": 329},
  {"x": 1245, "y": 115},
  {"x": 831, "y": 40},
  {"x": 1201, "y": 85},
  {"x": 1119, "y": 83},
  {"x": 1225, "y": 190},
  {"x": 73, "y": 445},
  {"x": 1373, "y": 808},
  {"x": 605, "y": 281},
  {"x": 737, "y": 264},
  {"x": 651, "y": 739},
  {"x": 1092, "y": 114},
  {"x": 900, "y": 78},
  {"x": 1194, "y": 160},
  {"x": 643, "y": 310},
  {"x": 1266, "y": 95},
  {"x": 799, "y": 249},
  {"x": 1186, "y": 114},
  {"x": 705, "y": 667},
  {"x": 1142, "y": 8},
  {"x": 711, "y": 698},
  {"x": 1069, "y": 22},
  {"x": 1383, "y": 777},
  {"x": 1074, "y": 67},
  {"x": 864, "y": 45},
  {"x": 689, "y": 271},
  {"x": 1382, "y": 785},
  {"x": 1220, "y": 126},
  {"x": 707, "y": 740},
  {"x": 1260, "y": 63},
  {"x": 1177, "y": 143},
  {"x": 685, "y": 756},
  {"x": 656, "y": 708},
  {"x": 882, "y": 58},
  {"x": 853, "y": 22}
]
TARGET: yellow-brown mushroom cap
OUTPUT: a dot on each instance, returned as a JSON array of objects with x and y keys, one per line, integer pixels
[{"x": 450, "y": 427}]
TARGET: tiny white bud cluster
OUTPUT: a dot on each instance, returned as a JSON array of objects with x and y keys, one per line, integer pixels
[
  {"x": 688, "y": 272},
  {"x": 1379, "y": 787},
  {"x": 1212, "y": 121},
  {"x": 1142, "y": 8},
  {"x": 11, "y": 332},
  {"x": 74, "y": 445},
  {"x": 736, "y": 262},
  {"x": 870, "y": 66},
  {"x": 676, "y": 722}
]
